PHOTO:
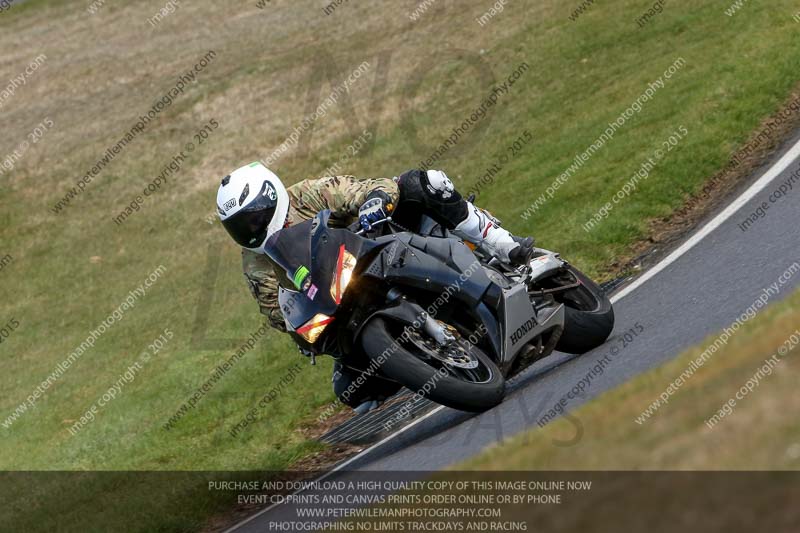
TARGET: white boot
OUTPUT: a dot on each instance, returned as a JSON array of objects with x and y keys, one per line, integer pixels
[{"x": 481, "y": 230}]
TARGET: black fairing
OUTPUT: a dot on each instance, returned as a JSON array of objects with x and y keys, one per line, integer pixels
[
  {"x": 436, "y": 265},
  {"x": 440, "y": 265},
  {"x": 432, "y": 264},
  {"x": 313, "y": 246}
]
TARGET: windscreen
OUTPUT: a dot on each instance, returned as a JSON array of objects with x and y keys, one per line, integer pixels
[{"x": 307, "y": 253}]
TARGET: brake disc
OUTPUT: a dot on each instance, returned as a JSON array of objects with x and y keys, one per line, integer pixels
[{"x": 454, "y": 354}]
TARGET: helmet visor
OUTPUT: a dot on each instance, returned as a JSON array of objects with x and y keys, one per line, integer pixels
[{"x": 249, "y": 226}]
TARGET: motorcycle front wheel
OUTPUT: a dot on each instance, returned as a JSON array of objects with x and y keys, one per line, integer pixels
[{"x": 459, "y": 375}]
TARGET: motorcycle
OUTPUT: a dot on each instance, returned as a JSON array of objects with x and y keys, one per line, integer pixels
[{"x": 425, "y": 310}]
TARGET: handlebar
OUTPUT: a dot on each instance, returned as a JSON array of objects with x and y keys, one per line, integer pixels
[{"x": 381, "y": 221}]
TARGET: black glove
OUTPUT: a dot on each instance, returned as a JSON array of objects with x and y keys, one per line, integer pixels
[{"x": 377, "y": 207}]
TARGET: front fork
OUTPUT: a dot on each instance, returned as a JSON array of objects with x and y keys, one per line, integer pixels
[
  {"x": 437, "y": 331},
  {"x": 430, "y": 326}
]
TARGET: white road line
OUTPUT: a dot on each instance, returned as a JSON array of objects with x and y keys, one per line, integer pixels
[
  {"x": 775, "y": 171},
  {"x": 737, "y": 204}
]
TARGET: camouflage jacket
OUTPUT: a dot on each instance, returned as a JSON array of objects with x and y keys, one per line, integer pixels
[{"x": 343, "y": 195}]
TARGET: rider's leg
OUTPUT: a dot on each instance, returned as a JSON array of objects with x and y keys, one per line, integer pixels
[
  {"x": 364, "y": 395},
  {"x": 433, "y": 194}
]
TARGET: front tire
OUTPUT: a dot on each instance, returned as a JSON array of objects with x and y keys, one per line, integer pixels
[
  {"x": 589, "y": 316},
  {"x": 382, "y": 341}
]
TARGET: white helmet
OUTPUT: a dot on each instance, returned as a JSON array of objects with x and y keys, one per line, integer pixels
[{"x": 252, "y": 204}]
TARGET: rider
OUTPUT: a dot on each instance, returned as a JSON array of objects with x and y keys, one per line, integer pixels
[{"x": 253, "y": 204}]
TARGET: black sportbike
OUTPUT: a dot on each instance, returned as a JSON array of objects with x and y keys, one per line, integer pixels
[{"x": 424, "y": 310}]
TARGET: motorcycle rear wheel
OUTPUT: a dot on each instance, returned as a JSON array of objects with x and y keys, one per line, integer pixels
[{"x": 589, "y": 316}]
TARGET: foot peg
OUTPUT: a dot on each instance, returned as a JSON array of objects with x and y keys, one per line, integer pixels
[{"x": 522, "y": 254}]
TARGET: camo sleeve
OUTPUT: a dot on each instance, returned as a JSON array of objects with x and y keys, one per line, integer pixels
[
  {"x": 264, "y": 286},
  {"x": 343, "y": 195}
]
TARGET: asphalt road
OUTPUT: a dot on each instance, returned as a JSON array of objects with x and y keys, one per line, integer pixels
[{"x": 701, "y": 292}]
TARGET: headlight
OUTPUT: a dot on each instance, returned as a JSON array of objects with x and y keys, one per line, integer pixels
[
  {"x": 312, "y": 329},
  {"x": 344, "y": 273}
]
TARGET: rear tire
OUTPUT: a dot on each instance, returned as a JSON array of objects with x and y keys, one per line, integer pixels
[
  {"x": 586, "y": 326},
  {"x": 404, "y": 367}
]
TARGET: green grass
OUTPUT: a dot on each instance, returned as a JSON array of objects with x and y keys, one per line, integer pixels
[
  {"x": 759, "y": 433},
  {"x": 104, "y": 70}
]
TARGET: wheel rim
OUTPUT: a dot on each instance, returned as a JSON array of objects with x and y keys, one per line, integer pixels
[{"x": 458, "y": 358}]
